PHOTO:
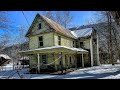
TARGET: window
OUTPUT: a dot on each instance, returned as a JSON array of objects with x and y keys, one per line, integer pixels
[
  {"x": 95, "y": 41},
  {"x": 70, "y": 61},
  {"x": 60, "y": 62},
  {"x": 73, "y": 43},
  {"x": 77, "y": 45},
  {"x": 59, "y": 40},
  {"x": 44, "y": 59},
  {"x": 39, "y": 26},
  {"x": 81, "y": 44},
  {"x": 41, "y": 41}
]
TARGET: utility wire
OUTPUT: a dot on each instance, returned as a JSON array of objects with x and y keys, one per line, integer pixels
[{"x": 25, "y": 18}]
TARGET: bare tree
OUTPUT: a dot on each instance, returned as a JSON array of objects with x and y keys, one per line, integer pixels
[
  {"x": 64, "y": 18},
  {"x": 4, "y": 27},
  {"x": 109, "y": 36},
  {"x": 4, "y": 39},
  {"x": 49, "y": 14},
  {"x": 67, "y": 18}
]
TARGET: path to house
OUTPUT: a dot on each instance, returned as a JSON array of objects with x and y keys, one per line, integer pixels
[{"x": 96, "y": 72}]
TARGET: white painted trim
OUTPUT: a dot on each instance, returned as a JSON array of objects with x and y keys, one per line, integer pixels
[
  {"x": 38, "y": 62},
  {"x": 91, "y": 51},
  {"x": 98, "y": 61},
  {"x": 82, "y": 60}
]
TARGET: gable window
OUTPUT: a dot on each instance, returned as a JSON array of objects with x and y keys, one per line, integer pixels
[
  {"x": 44, "y": 59},
  {"x": 39, "y": 27},
  {"x": 59, "y": 40},
  {"x": 81, "y": 44},
  {"x": 73, "y": 43},
  {"x": 41, "y": 41}
]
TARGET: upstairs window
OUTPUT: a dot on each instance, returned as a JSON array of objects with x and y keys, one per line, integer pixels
[
  {"x": 95, "y": 41},
  {"x": 77, "y": 45},
  {"x": 41, "y": 41},
  {"x": 73, "y": 43},
  {"x": 81, "y": 44},
  {"x": 44, "y": 59},
  {"x": 39, "y": 27},
  {"x": 59, "y": 40}
]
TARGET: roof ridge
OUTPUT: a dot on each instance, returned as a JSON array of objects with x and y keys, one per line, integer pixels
[{"x": 57, "y": 26}]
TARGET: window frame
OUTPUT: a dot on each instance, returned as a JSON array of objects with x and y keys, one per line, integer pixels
[
  {"x": 59, "y": 40},
  {"x": 82, "y": 45},
  {"x": 40, "y": 41},
  {"x": 73, "y": 43},
  {"x": 44, "y": 59},
  {"x": 39, "y": 26}
]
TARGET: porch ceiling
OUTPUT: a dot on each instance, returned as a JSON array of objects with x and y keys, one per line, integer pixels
[{"x": 54, "y": 49}]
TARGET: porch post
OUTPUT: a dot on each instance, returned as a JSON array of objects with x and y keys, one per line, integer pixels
[
  {"x": 23, "y": 60},
  {"x": 82, "y": 60},
  {"x": 61, "y": 63},
  {"x": 54, "y": 60},
  {"x": 76, "y": 61},
  {"x": 38, "y": 62},
  {"x": 91, "y": 51}
]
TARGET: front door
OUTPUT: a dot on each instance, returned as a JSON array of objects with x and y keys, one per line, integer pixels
[{"x": 79, "y": 60}]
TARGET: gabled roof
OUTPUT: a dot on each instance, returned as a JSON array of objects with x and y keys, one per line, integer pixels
[
  {"x": 4, "y": 56},
  {"x": 82, "y": 32},
  {"x": 58, "y": 28}
]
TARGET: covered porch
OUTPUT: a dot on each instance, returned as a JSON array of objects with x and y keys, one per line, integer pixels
[{"x": 59, "y": 57}]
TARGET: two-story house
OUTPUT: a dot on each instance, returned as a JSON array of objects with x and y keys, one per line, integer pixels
[{"x": 52, "y": 45}]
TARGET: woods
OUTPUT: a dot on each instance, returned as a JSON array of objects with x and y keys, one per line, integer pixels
[{"x": 109, "y": 37}]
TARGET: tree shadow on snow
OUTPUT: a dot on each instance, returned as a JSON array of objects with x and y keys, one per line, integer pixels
[{"x": 86, "y": 75}]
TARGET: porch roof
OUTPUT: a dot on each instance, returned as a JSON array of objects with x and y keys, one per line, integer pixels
[{"x": 54, "y": 49}]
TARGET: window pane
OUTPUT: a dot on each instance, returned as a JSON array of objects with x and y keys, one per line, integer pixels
[
  {"x": 59, "y": 38},
  {"x": 70, "y": 60},
  {"x": 40, "y": 26},
  {"x": 43, "y": 56},
  {"x": 41, "y": 43},
  {"x": 73, "y": 44},
  {"x": 44, "y": 59},
  {"x": 81, "y": 44},
  {"x": 41, "y": 38}
]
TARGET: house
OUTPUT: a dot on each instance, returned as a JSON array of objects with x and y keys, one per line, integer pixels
[
  {"x": 24, "y": 60},
  {"x": 53, "y": 45},
  {"x": 4, "y": 59}
]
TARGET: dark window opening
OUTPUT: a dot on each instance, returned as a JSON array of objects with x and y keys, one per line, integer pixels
[
  {"x": 40, "y": 38},
  {"x": 73, "y": 43},
  {"x": 44, "y": 59},
  {"x": 77, "y": 46},
  {"x": 81, "y": 44},
  {"x": 40, "y": 26},
  {"x": 60, "y": 62},
  {"x": 95, "y": 41},
  {"x": 41, "y": 41},
  {"x": 59, "y": 40}
]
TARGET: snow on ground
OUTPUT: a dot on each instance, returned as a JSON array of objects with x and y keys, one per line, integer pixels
[{"x": 96, "y": 72}]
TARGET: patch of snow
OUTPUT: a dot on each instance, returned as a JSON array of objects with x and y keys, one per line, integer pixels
[{"x": 96, "y": 72}]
